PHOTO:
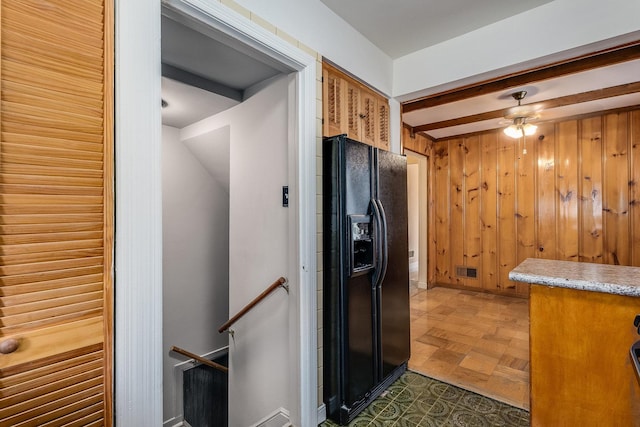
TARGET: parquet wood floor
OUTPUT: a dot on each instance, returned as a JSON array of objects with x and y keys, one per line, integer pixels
[{"x": 473, "y": 340}]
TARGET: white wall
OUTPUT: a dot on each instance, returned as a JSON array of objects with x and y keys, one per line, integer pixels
[
  {"x": 414, "y": 214},
  {"x": 561, "y": 28},
  {"x": 258, "y": 250},
  {"x": 195, "y": 234},
  {"x": 318, "y": 27}
]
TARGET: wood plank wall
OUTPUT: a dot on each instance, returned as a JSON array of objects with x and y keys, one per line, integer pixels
[{"x": 574, "y": 195}]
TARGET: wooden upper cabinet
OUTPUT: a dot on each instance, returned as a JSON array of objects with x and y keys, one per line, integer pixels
[
  {"x": 333, "y": 111},
  {"x": 382, "y": 123},
  {"x": 351, "y": 108},
  {"x": 354, "y": 116},
  {"x": 56, "y": 212}
]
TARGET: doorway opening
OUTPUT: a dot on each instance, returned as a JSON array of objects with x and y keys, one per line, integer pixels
[
  {"x": 228, "y": 150},
  {"x": 473, "y": 340},
  {"x": 417, "y": 221}
]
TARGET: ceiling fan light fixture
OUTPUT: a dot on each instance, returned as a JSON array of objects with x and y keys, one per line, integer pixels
[
  {"x": 520, "y": 127},
  {"x": 529, "y": 129},
  {"x": 513, "y": 131}
]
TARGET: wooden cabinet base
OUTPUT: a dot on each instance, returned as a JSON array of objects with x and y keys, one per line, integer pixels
[{"x": 581, "y": 372}]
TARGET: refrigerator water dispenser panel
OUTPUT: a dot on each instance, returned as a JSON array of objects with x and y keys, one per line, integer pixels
[{"x": 361, "y": 248}]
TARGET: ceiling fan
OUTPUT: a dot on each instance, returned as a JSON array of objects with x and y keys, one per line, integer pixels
[{"x": 519, "y": 117}]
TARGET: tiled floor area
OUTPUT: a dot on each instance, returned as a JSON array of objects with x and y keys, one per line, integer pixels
[
  {"x": 473, "y": 340},
  {"x": 415, "y": 400}
]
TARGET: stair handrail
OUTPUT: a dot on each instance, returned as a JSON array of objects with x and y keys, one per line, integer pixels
[
  {"x": 281, "y": 282},
  {"x": 200, "y": 359}
]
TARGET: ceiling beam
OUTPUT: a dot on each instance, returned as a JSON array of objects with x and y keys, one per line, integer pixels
[
  {"x": 183, "y": 76},
  {"x": 595, "y": 60},
  {"x": 562, "y": 101},
  {"x": 556, "y": 120}
]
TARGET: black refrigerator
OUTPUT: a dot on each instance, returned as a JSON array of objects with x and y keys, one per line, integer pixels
[{"x": 365, "y": 274}]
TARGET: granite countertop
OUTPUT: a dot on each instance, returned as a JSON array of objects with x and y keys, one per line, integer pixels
[{"x": 585, "y": 276}]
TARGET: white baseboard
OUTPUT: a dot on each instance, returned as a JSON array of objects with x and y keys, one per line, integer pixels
[
  {"x": 178, "y": 368},
  {"x": 422, "y": 285},
  {"x": 278, "y": 418},
  {"x": 322, "y": 414},
  {"x": 175, "y": 422},
  {"x": 413, "y": 266}
]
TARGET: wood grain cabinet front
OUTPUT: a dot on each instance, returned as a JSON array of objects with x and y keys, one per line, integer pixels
[
  {"x": 350, "y": 108},
  {"x": 581, "y": 370}
]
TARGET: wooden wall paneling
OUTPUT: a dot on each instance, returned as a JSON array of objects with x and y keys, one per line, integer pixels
[
  {"x": 457, "y": 224},
  {"x": 546, "y": 206},
  {"x": 590, "y": 190},
  {"x": 442, "y": 212},
  {"x": 506, "y": 210},
  {"x": 615, "y": 203},
  {"x": 423, "y": 145},
  {"x": 573, "y": 196},
  {"x": 567, "y": 190},
  {"x": 488, "y": 211},
  {"x": 409, "y": 143},
  {"x": 525, "y": 204},
  {"x": 634, "y": 196},
  {"x": 472, "y": 229}
]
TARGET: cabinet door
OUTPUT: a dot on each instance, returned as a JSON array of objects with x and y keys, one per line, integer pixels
[
  {"x": 334, "y": 104},
  {"x": 353, "y": 112},
  {"x": 56, "y": 214},
  {"x": 382, "y": 123},
  {"x": 348, "y": 107},
  {"x": 368, "y": 117}
]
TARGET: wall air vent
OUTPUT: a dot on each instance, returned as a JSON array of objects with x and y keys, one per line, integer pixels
[{"x": 469, "y": 272}]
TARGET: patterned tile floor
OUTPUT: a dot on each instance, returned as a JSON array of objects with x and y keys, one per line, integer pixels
[{"x": 415, "y": 400}]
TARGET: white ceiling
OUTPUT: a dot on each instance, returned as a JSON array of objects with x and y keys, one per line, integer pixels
[
  {"x": 203, "y": 76},
  {"x": 210, "y": 76},
  {"x": 188, "y": 104},
  {"x": 401, "y": 27},
  {"x": 537, "y": 93}
]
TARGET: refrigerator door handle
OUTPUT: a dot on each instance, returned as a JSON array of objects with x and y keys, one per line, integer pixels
[
  {"x": 384, "y": 244},
  {"x": 377, "y": 220}
]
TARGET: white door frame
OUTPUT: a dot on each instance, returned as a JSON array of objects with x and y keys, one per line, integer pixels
[
  {"x": 138, "y": 237},
  {"x": 423, "y": 197}
]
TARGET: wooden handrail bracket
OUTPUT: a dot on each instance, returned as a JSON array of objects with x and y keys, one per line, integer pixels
[
  {"x": 200, "y": 359},
  {"x": 281, "y": 282}
]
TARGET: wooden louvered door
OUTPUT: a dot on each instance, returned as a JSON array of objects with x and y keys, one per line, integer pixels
[
  {"x": 333, "y": 88},
  {"x": 56, "y": 212},
  {"x": 368, "y": 118},
  {"x": 354, "y": 116},
  {"x": 351, "y": 108},
  {"x": 382, "y": 122}
]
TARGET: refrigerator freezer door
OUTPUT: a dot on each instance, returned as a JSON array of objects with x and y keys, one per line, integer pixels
[
  {"x": 360, "y": 358},
  {"x": 349, "y": 338},
  {"x": 395, "y": 340}
]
